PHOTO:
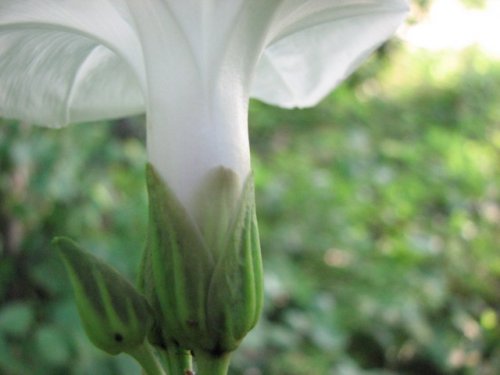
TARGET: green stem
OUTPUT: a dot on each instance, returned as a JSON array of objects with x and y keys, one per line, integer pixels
[
  {"x": 178, "y": 361},
  {"x": 207, "y": 364},
  {"x": 147, "y": 359}
]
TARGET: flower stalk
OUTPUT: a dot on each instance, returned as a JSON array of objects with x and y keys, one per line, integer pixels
[
  {"x": 146, "y": 357},
  {"x": 212, "y": 365}
]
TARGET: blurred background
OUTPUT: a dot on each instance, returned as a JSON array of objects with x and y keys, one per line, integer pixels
[{"x": 379, "y": 213}]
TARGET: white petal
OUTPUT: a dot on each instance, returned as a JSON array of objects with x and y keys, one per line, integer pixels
[
  {"x": 54, "y": 56},
  {"x": 104, "y": 88},
  {"x": 318, "y": 44}
]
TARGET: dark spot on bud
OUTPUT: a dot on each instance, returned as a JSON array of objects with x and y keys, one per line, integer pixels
[
  {"x": 118, "y": 337},
  {"x": 217, "y": 351},
  {"x": 192, "y": 323}
]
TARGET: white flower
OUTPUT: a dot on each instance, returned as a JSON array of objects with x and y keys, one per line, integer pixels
[{"x": 191, "y": 65}]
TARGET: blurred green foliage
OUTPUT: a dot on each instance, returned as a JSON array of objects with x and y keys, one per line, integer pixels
[
  {"x": 379, "y": 215},
  {"x": 85, "y": 182},
  {"x": 380, "y": 223}
]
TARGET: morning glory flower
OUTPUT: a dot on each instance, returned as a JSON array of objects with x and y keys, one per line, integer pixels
[{"x": 190, "y": 65}]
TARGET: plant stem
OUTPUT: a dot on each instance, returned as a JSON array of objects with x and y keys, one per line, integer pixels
[
  {"x": 147, "y": 359},
  {"x": 178, "y": 361},
  {"x": 207, "y": 364}
]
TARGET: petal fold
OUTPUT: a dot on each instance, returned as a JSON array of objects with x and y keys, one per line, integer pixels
[
  {"x": 318, "y": 43},
  {"x": 75, "y": 61},
  {"x": 68, "y": 61}
]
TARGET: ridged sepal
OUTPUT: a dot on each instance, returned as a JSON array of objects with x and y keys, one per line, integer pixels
[
  {"x": 203, "y": 271},
  {"x": 116, "y": 317}
]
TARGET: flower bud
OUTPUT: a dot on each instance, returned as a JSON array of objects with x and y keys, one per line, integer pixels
[{"x": 115, "y": 316}]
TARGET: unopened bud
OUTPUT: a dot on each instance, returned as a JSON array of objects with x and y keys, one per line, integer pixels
[{"x": 115, "y": 316}]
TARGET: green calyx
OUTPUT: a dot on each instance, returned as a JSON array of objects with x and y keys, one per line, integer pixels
[
  {"x": 201, "y": 276},
  {"x": 202, "y": 273},
  {"x": 115, "y": 316}
]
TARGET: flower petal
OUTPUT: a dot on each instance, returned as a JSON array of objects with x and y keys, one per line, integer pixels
[
  {"x": 318, "y": 44},
  {"x": 55, "y": 54}
]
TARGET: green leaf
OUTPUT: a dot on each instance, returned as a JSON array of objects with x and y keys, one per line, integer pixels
[
  {"x": 52, "y": 345},
  {"x": 16, "y": 318}
]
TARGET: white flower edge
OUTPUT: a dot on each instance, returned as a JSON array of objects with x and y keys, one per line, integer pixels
[{"x": 76, "y": 61}]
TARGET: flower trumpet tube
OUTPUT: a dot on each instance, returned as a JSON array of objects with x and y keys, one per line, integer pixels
[{"x": 191, "y": 66}]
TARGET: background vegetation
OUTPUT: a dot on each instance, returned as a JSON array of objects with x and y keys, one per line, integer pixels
[{"x": 379, "y": 215}]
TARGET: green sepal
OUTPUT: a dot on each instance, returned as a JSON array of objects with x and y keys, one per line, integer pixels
[
  {"x": 235, "y": 294},
  {"x": 116, "y": 317},
  {"x": 176, "y": 268},
  {"x": 203, "y": 273}
]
